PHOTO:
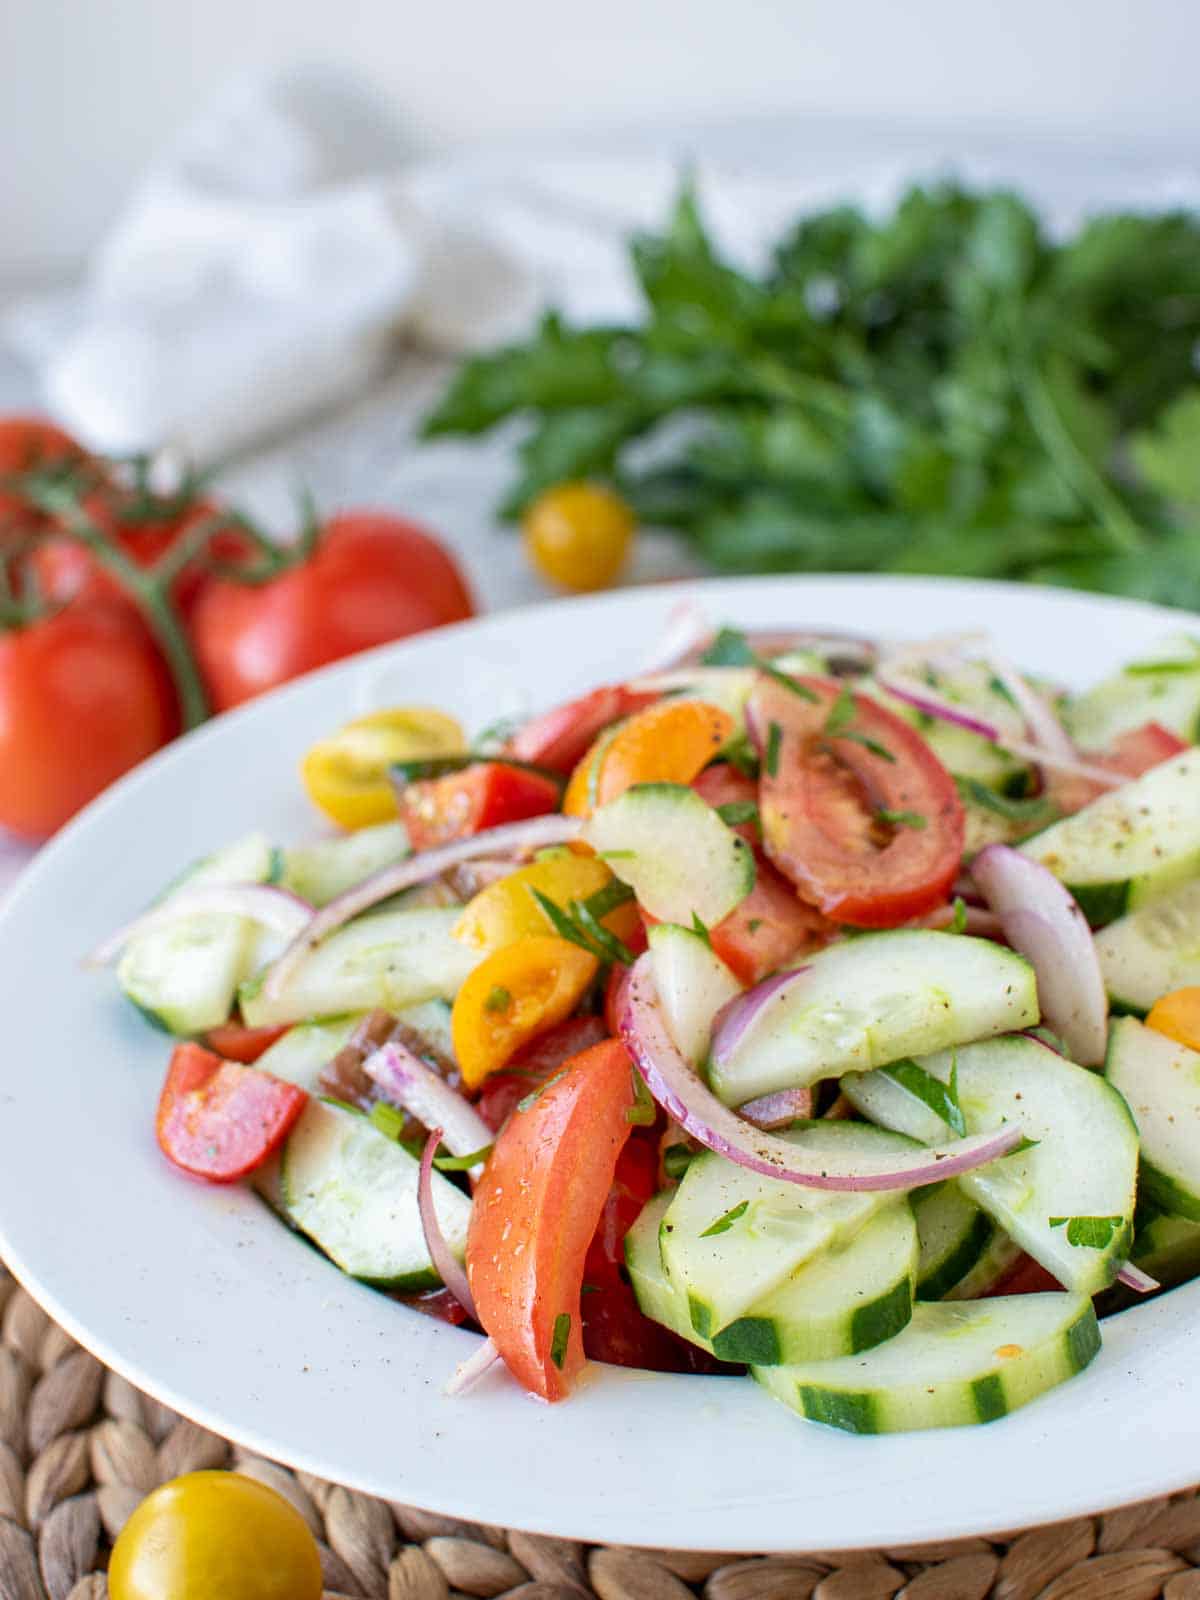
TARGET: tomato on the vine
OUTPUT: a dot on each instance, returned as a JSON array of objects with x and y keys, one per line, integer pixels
[
  {"x": 372, "y": 578},
  {"x": 84, "y": 696},
  {"x": 26, "y": 445}
]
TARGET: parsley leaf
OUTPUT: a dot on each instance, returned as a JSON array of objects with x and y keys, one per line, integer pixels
[
  {"x": 1089, "y": 1233},
  {"x": 535, "y": 1095},
  {"x": 701, "y": 928},
  {"x": 462, "y": 1163},
  {"x": 959, "y": 924},
  {"x": 903, "y": 819},
  {"x": 941, "y": 1098},
  {"x": 734, "y": 812},
  {"x": 771, "y": 757},
  {"x": 499, "y": 999},
  {"x": 724, "y": 1223},
  {"x": 1035, "y": 811},
  {"x": 731, "y": 648},
  {"x": 560, "y": 1338}
]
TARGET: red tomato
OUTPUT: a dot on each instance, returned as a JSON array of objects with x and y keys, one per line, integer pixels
[
  {"x": 479, "y": 797},
  {"x": 821, "y": 807},
  {"x": 66, "y": 569},
  {"x": 1130, "y": 754},
  {"x": 536, "y": 1209},
  {"x": 234, "y": 1041},
  {"x": 372, "y": 578},
  {"x": 1025, "y": 1276},
  {"x": 539, "y": 1060},
  {"x": 27, "y": 443},
  {"x": 84, "y": 696},
  {"x": 559, "y": 739},
  {"x": 439, "y": 1304},
  {"x": 723, "y": 785},
  {"x": 219, "y": 1120}
]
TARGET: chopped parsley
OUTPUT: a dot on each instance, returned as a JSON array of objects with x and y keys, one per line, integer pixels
[
  {"x": 387, "y": 1119},
  {"x": 959, "y": 924},
  {"x": 700, "y": 928},
  {"x": 581, "y": 926},
  {"x": 677, "y": 1158},
  {"x": 536, "y": 1094},
  {"x": 462, "y": 1163},
  {"x": 560, "y": 1338},
  {"x": 839, "y": 724},
  {"x": 1034, "y": 811},
  {"x": 731, "y": 648},
  {"x": 902, "y": 819},
  {"x": 941, "y": 1098},
  {"x": 1089, "y": 1233},
  {"x": 643, "y": 1110},
  {"x": 741, "y": 756},
  {"x": 734, "y": 812},
  {"x": 723, "y": 1224},
  {"x": 774, "y": 740},
  {"x": 499, "y": 999}
]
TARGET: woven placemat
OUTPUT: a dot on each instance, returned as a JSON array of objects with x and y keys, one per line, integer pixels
[{"x": 80, "y": 1447}]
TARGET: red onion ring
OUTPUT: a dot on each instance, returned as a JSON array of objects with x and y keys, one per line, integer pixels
[
  {"x": 683, "y": 1096},
  {"x": 444, "y": 1263},
  {"x": 528, "y": 835},
  {"x": 278, "y": 909},
  {"x": 468, "y": 1373},
  {"x": 406, "y": 1081},
  {"x": 1134, "y": 1278},
  {"x": 1042, "y": 921},
  {"x": 1044, "y": 727},
  {"x": 737, "y": 1016}
]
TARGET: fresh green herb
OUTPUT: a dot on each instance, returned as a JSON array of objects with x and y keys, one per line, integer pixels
[
  {"x": 388, "y": 1119},
  {"x": 497, "y": 734},
  {"x": 616, "y": 855},
  {"x": 742, "y": 756},
  {"x": 731, "y": 648},
  {"x": 403, "y": 773},
  {"x": 560, "y": 1338},
  {"x": 771, "y": 758},
  {"x": 723, "y": 1224},
  {"x": 734, "y": 812},
  {"x": 536, "y": 1094},
  {"x": 643, "y": 1110},
  {"x": 902, "y": 819},
  {"x": 754, "y": 924},
  {"x": 959, "y": 922},
  {"x": 1034, "y": 811},
  {"x": 499, "y": 999},
  {"x": 1167, "y": 668},
  {"x": 609, "y": 898},
  {"x": 941, "y": 1098},
  {"x": 701, "y": 928},
  {"x": 581, "y": 927},
  {"x": 589, "y": 1288},
  {"x": 1089, "y": 1233},
  {"x": 1026, "y": 1144},
  {"x": 677, "y": 1158},
  {"x": 839, "y": 725},
  {"x": 462, "y": 1163}
]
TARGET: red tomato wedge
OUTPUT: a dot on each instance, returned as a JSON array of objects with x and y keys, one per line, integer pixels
[
  {"x": 824, "y": 798},
  {"x": 559, "y": 739},
  {"x": 234, "y": 1041},
  {"x": 218, "y": 1119},
  {"x": 536, "y": 1211},
  {"x": 482, "y": 796}
]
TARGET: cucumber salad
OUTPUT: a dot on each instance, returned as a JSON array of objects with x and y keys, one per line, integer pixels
[{"x": 808, "y": 1009}]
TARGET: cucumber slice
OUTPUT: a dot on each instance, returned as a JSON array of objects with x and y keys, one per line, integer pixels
[
  {"x": 1084, "y": 1163},
  {"x": 184, "y": 975},
  {"x": 1131, "y": 845},
  {"x": 954, "y": 1236},
  {"x": 320, "y": 872},
  {"x": 1001, "y": 1254},
  {"x": 693, "y": 984},
  {"x": 1152, "y": 951},
  {"x": 431, "y": 1019},
  {"x": 305, "y": 1049},
  {"x": 1128, "y": 699},
  {"x": 1160, "y": 1080},
  {"x": 875, "y": 999},
  {"x": 731, "y": 1237},
  {"x": 674, "y": 851},
  {"x": 955, "y": 1363},
  {"x": 1167, "y": 1247},
  {"x": 847, "y": 1298},
  {"x": 391, "y": 959},
  {"x": 960, "y": 751},
  {"x": 354, "y": 1192}
]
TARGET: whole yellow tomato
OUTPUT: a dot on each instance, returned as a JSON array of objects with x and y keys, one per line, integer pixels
[
  {"x": 578, "y": 535},
  {"x": 215, "y": 1536}
]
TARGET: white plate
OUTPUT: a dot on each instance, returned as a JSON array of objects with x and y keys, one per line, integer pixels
[{"x": 200, "y": 1296}]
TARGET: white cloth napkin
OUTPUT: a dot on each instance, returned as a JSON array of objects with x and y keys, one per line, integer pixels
[{"x": 266, "y": 263}]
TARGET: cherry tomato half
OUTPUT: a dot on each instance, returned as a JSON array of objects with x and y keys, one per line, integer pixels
[
  {"x": 218, "y": 1119},
  {"x": 482, "y": 796}
]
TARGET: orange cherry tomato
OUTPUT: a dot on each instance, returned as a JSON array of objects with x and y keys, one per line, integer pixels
[
  {"x": 670, "y": 742},
  {"x": 513, "y": 996},
  {"x": 1178, "y": 1016}
]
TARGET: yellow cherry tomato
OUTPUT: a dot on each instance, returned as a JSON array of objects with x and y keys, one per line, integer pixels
[
  {"x": 346, "y": 775},
  {"x": 508, "y": 910},
  {"x": 578, "y": 535},
  {"x": 512, "y": 997},
  {"x": 671, "y": 742},
  {"x": 215, "y": 1536},
  {"x": 1178, "y": 1016}
]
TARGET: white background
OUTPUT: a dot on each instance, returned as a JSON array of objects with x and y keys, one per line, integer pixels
[{"x": 89, "y": 88}]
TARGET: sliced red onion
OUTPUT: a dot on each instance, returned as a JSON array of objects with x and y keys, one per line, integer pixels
[
  {"x": 1042, "y": 921},
  {"x": 737, "y": 1016},
  {"x": 941, "y": 647},
  {"x": 1134, "y": 1278},
  {"x": 278, "y": 909},
  {"x": 445, "y": 1264},
  {"x": 468, "y": 1373},
  {"x": 406, "y": 1081},
  {"x": 687, "y": 627},
  {"x": 1046, "y": 731},
  {"x": 683, "y": 1096},
  {"x": 779, "y": 1109},
  {"x": 531, "y": 834}
]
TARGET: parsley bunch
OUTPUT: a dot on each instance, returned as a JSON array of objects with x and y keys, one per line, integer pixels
[{"x": 947, "y": 390}]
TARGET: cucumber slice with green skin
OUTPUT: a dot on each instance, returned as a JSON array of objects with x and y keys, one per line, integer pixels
[
  {"x": 954, "y": 1237},
  {"x": 1152, "y": 951},
  {"x": 1160, "y": 1080},
  {"x": 847, "y": 1298},
  {"x": 391, "y": 959},
  {"x": 183, "y": 976},
  {"x": 731, "y": 1237},
  {"x": 955, "y": 1363},
  {"x": 960, "y": 751},
  {"x": 303, "y": 1051},
  {"x": 320, "y": 872},
  {"x": 353, "y": 1191},
  {"x": 875, "y": 999},
  {"x": 1084, "y": 1163},
  {"x": 1129, "y": 699},
  {"x": 1131, "y": 845},
  {"x": 693, "y": 984},
  {"x": 1000, "y": 1256},
  {"x": 1167, "y": 1247},
  {"x": 674, "y": 851}
]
